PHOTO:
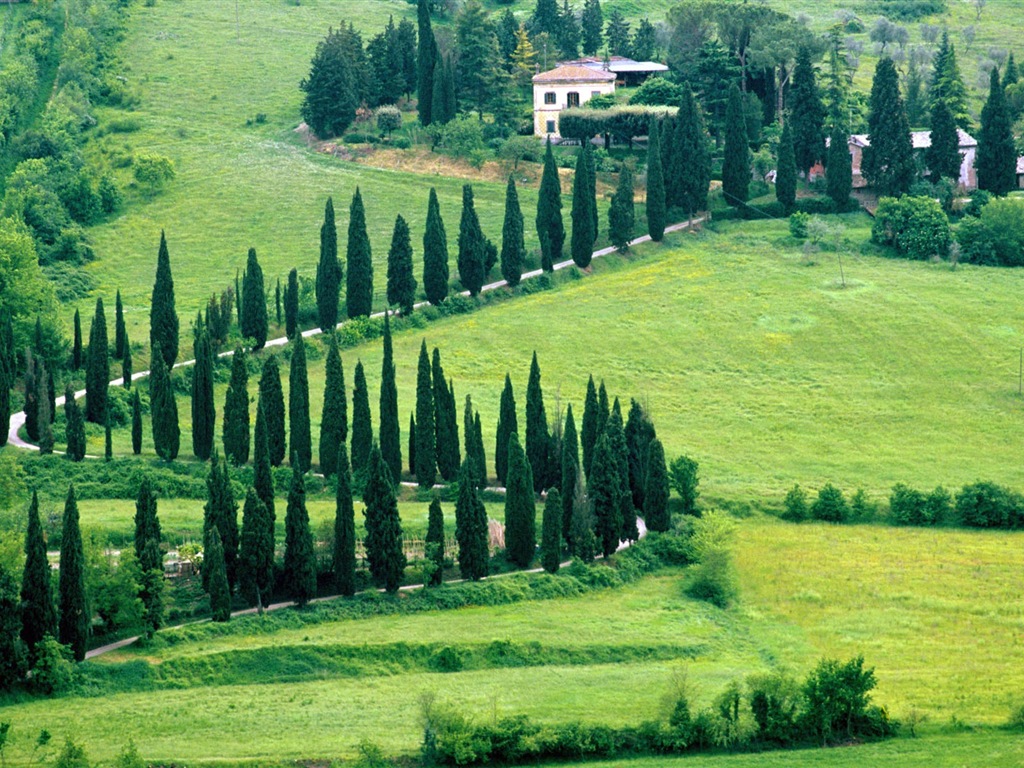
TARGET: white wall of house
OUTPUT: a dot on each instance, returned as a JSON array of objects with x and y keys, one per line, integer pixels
[{"x": 550, "y": 98}]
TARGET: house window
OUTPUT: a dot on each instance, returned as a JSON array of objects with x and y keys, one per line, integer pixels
[
  {"x": 551, "y": 126},
  {"x": 549, "y": 97},
  {"x": 572, "y": 99}
]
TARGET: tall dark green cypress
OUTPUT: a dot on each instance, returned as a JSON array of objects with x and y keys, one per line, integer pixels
[
  {"x": 550, "y": 228},
  {"x": 656, "y": 211},
  {"x": 426, "y": 446},
  {"x": 445, "y": 430},
  {"x": 434, "y": 546},
  {"x": 621, "y": 213},
  {"x": 13, "y": 660},
  {"x": 299, "y": 555},
  {"x": 390, "y": 429},
  {"x": 471, "y": 531},
  {"x": 472, "y": 245},
  {"x": 126, "y": 363},
  {"x": 570, "y": 472},
  {"x": 435, "y": 253},
  {"x": 38, "y": 613},
  {"x": 620, "y": 450},
  {"x": 76, "y": 344},
  {"x": 256, "y": 555},
  {"x": 384, "y": 552},
  {"x": 602, "y": 408},
  {"x": 736, "y": 165},
  {"x": 888, "y": 162},
  {"x": 551, "y": 532},
  {"x": 236, "y": 411},
  {"x": 204, "y": 415},
  {"x": 262, "y": 476},
  {"x": 691, "y": 156},
  {"x": 401, "y": 282},
  {"x": 43, "y": 409},
  {"x": 839, "y": 176},
  {"x": 300, "y": 441},
  {"x": 75, "y": 616},
  {"x": 344, "y": 529},
  {"x": 520, "y": 509},
  {"x": 291, "y": 305},
  {"x": 480, "y": 452},
  {"x": 604, "y": 492},
  {"x": 807, "y": 113},
  {"x": 513, "y": 249},
  {"x": 639, "y": 432},
  {"x": 163, "y": 409},
  {"x": 591, "y": 197},
  {"x": 254, "y": 323},
  {"x": 362, "y": 426},
  {"x": 474, "y": 449},
  {"x": 328, "y": 271},
  {"x": 136, "y": 422},
  {"x": 163, "y": 318},
  {"x": 589, "y": 428},
  {"x": 272, "y": 398},
  {"x": 996, "y": 160},
  {"x": 412, "y": 444},
  {"x": 508, "y": 425},
  {"x": 147, "y": 526},
  {"x": 97, "y": 374},
  {"x": 425, "y": 58},
  {"x": 581, "y": 243},
  {"x": 454, "y": 452},
  {"x": 221, "y": 514},
  {"x": 217, "y": 579},
  {"x": 334, "y": 418},
  {"x": 538, "y": 439},
  {"x": 277, "y": 301},
  {"x": 943, "y": 153},
  {"x": 656, "y": 512},
  {"x": 359, "y": 280},
  {"x": 441, "y": 102},
  {"x": 785, "y": 173}
]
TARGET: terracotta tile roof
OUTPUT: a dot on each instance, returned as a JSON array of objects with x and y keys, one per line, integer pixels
[{"x": 570, "y": 73}]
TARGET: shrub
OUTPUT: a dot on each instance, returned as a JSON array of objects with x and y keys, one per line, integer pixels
[
  {"x": 906, "y": 505},
  {"x": 976, "y": 242},
  {"x": 775, "y": 701},
  {"x": 979, "y": 199},
  {"x": 462, "y": 136},
  {"x": 830, "y": 505},
  {"x": 861, "y": 509},
  {"x": 53, "y": 671},
  {"x": 152, "y": 171},
  {"x": 683, "y": 476},
  {"x": 915, "y": 226},
  {"x": 1004, "y": 220},
  {"x": 987, "y": 505},
  {"x": 389, "y": 119},
  {"x": 794, "y": 507},
  {"x": 401, "y": 143},
  {"x": 837, "y": 702},
  {"x": 657, "y": 91},
  {"x": 798, "y": 224}
]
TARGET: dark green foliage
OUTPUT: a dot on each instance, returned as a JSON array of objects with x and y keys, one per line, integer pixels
[
  {"x": 136, "y": 422},
  {"x": 538, "y": 440},
  {"x": 7, "y": 371},
  {"x": 425, "y": 56},
  {"x": 412, "y": 444},
  {"x": 298, "y": 406},
  {"x": 943, "y": 154},
  {"x": 785, "y": 174},
  {"x": 591, "y": 27},
  {"x": 520, "y": 510},
  {"x": 474, "y": 445},
  {"x": 794, "y": 507},
  {"x": 987, "y": 505},
  {"x": 807, "y": 113},
  {"x": 550, "y": 228},
  {"x": 908, "y": 506},
  {"x": 513, "y": 250},
  {"x": 38, "y": 613},
  {"x": 163, "y": 409},
  {"x": 31, "y": 390},
  {"x": 331, "y": 90},
  {"x": 344, "y": 528},
  {"x": 508, "y": 425},
  {"x": 620, "y": 451},
  {"x": 74, "y": 426},
  {"x": 75, "y": 616},
  {"x": 334, "y": 418},
  {"x": 362, "y": 426},
  {"x": 97, "y": 373},
  {"x": 147, "y": 527},
  {"x": 13, "y": 655},
  {"x": 639, "y": 433},
  {"x": 221, "y": 515},
  {"x": 683, "y": 477},
  {"x": 254, "y": 321},
  {"x": 401, "y": 283},
  {"x": 203, "y": 413},
  {"x": 947, "y": 85},
  {"x": 236, "y": 411},
  {"x": 916, "y": 227},
  {"x": 291, "y": 305},
  {"x": 443, "y": 107},
  {"x": 76, "y": 344},
  {"x": 836, "y": 699},
  {"x": 163, "y": 318},
  {"x": 602, "y": 409},
  {"x": 583, "y": 225},
  {"x": 272, "y": 400},
  {"x": 996, "y": 160},
  {"x": 551, "y": 532},
  {"x": 435, "y": 253},
  {"x": 736, "y": 166},
  {"x": 472, "y": 245},
  {"x": 108, "y": 441},
  {"x": 126, "y": 364},
  {"x": 328, "y": 271},
  {"x": 656, "y": 213},
  {"x": 604, "y": 493},
  {"x": 621, "y": 214},
  {"x": 839, "y": 176},
  {"x": 888, "y": 163},
  {"x": 655, "y": 505},
  {"x": 359, "y": 280},
  {"x": 277, "y": 301},
  {"x": 590, "y": 429},
  {"x": 426, "y": 462},
  {"x": 570, "y": 473},
  {"x": 262, "y": 477},
  {"x": 299, "y": 555},
  {"x": 446, "y": 433},
  {"x": 830, "y": 505},
  {"x": 689, "y": 158},
  {"x": 479, "y": 452},
  {"x": 390, "y": 430},
  {"x": 383, "y": 527},
  {"x": 471, "y": 528},
  {"x": 434, "y": 547},
  {"x": 256, "y": 554},
  {"x": 215, "y": 571},
  {"x": 44, "y": 408}
]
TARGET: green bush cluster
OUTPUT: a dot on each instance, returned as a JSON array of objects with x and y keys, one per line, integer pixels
[
  {"x": 996, "y": 236},
  {"x": 623, "y": 123},
  {"x": 830, "y": 505},
  {"x": 915, "y": 226}
]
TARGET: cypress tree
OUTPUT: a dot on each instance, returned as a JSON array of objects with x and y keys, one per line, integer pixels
[
  {"x": 604, "y": 492},
  {"x": 136, "y": 423},
  {"x": 217, "y": 579},
  {"x": 602, "y": 409},
  {"x": 620, "y": 451},
  {"x": 334, "y": 419},
  {"x": 362, "y": 426},
  {"x": 537, "y": 438},
  {"x": 51, "y": 395},
  {"x": 656, "y": 514},
  {"x": 254, "y": 322},
  {"x": 520, "y": 511},
  {"x": 384, "y": 553},
  {"x": 691, "y": 158},
  {"x": 474, "y": 450},
  {"x": 888, "y": 162},
  {"x": 272, "y": 399},
  {"x": 471, "y": 528},
  {"x": 239, "y": 295},
  {"x": 256, "y": 555},
  {"x": 943, "y": 154},
  {"x": 38, "y": 614},
  {"x": 508, "y": 425},
  {"x": 434, "y": 547},
  {"x": 43, "y": 409},
  {"x": 75, "y": 616},
  {"x": 97, "y": 374},
  {"x": 947, "y": 85},
  {"x": 74, "y": 426},
  {"x": 435, "y": 253},
  {"x": 584, "y": 543},
  {"x": 12, "y": 649},
  {"x": 839, "y": 176},
  {"x": 291, "y": 306},
  {"x": 581, "y": 243},
  {"x": 513, "y": 250},
  {"x": 736, "y": 166},
  {"x": 401, "y": 283},
  {"x": 672, "y": 165},
  {"x": 236, "y": 412},
  {"x": 299, "y": 555},
  {"x": 390, "y": 430},
  {"x": 446, "y": 431},
  {"x": 163, "y": 318},
  {"x": 221, "y": 515},
  {"x": 550, "y": 228},
  {"x": 76, "y": 345},
  {"x": 455, "y": 453},
  {"x": 7, "y": 376},
  {"x": 656, "y": 212},
  {"x": 996, "y": 160},
  {"x": 785, "y": 172},
  {"x": 359, "y": 280},
  {"x": 472, "y": 245},
  {"x": 570, "y": 466},
  {"x": 126, "y": 364},
  {"x": 412, "y": 444},
  {"x": 147, "y": 526},
  {"x": 426, "y": 446},
  {"x": 119, "y": 328},
  {"x": 621, "y": 214},
  {"x": 442, "y": 108},
  {"x": 108, "y": 440},
  {"x": 262, "y": 476},
  {"x": 481, "y": 454},
  {"x": 277, "y": 301},
  {"x": 425, "y": 57},
  {"x": 298, "y": 406},
  {"x": 1010, "y": 74},
  {"x": 204, "y": 415},
  {"x": 551, "y": 532},
  {"x": 807, "y": 113},
  {"x": 589, "y": 427},
  {"x": 344, "y": 529},
  {"x": 163, "y": 409},
  {"x": 591, "y": 196},
  {"x": 328, "y": 271}
]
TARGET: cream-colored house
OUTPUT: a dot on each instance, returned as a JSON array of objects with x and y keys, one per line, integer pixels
[
  {"x": 563, "y": 87},
  {"x": 922, "y": 140}
]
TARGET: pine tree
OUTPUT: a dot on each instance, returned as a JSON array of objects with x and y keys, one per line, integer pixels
[
  {"x": 507, "y": 426},
  {"x": 582, "y": 243},
  {"x": 298, "y": 406},
  {"x": 434, "y": 546},
  {"x": 390, "y": 429},
  {"x": 807, "y": 113},
  {"x": 334, "y": 418},
  {"x": 604, "y": 492},
  {"x": 126, "y": 363},
  {"x": 446, "y": 434},
  {"x": 551, "y": 532},
  {"x": 471, "y": 531},
  {"x": 785, "y": 171},
  {"x": 513, "y": 250},
  {"x": 839, "y": 176},
  {"x": 291, "y": 305},
  {"x": 262, "y": 476},
  {"x": 97, "y": 374},
  {"x": 221, "y": 515},
  {"x": 163, "y": 409},
  {"x": 76, "y": 345},
  {"x": 362, "y": 426},
  {"x": 344, "y": 529},
  {"x": 435, "y": 253},
  {"x": 947, "y": 85},
  {"x": 384, "y": 553},
  {"x": 299, "y": 555},
  {"x": 520, "y": 511},
  {"x": 136, "y": 421},
  {"x": 359, "y": 280},
  {"x": 236, "y": 411},
  {"x": 163, "y": 318},
  {"x": 254, "y": 322},
  {"x": 272, "y": 398},
  {"x": 426, "y": 446},
  {"x": 589, "y": 428},
  {"x": 401, "y": 283},
  {"x": 256, "y": 555},
  {"x": 472, "y": 245},
  {"x": 425, "y": 57},
  {"x": 888, "y": 162},
  {"x": 550, "y": 228},
  {"x": 38, "y": 614},
  {"x": 656, "y": 212},
  {"x": 537, "y": 438},
  {"x": 570, "y": 466},
  {"x": 996, "y": 160},
  {"x": 592, "y": 27},
  {"x": 621, "y": 214},
  {"x": 328, "y": 271},
  {"x": 216, "y": 574},
  {"x": 75, "y": 616},
  {"x": 943, "y": 153},
  {"x": 204, "y": 415},
  {"x": 736, "y": 166},
  {"x": 656, "y": 513}
]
